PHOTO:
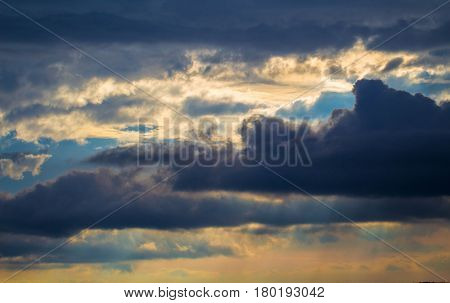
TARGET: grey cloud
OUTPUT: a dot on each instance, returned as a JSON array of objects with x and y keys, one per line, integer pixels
[
  {"x": 392, "y": 65},
  {"x": 73, "y": 202},
  {"x": 202, "y": 11},
  {"x": 109, "y": 110},
  {"x": 414, "y": 39},
  {"x": 31, "y": 74},
  {"x": 302, "y": 35},
  {"x": 198, "y": 107},
  {"x": 106, "y": 28}
]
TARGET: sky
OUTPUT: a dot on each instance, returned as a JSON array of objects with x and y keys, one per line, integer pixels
[{"x": 224, "y": 141}]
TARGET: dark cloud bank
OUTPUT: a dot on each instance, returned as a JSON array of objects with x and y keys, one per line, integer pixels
[
  {"x": 75, "y": 201},
  {"x": 391, "y": 143},
  {"x": 286, "y": 26}
]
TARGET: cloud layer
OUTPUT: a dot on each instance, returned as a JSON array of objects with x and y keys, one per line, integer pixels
[
  {"x": 298, "y": 26},
  {"x": 75, "y": 201},
  {"x": 105, "y": 247}
]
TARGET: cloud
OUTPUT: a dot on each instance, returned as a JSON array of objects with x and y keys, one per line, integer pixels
[
  {"x": 59, "y": 91},
  {"x": 74, "y": 201},
  {"x": 292, "y": 35},
  {"x": 110, "y": 28},
  {"x": 172, "y": 153},
  {"x": 109, "y": 110},
  {"x": 391, "y": 143},
  {"x": 392, "y": 64},
  {"x": 15, "y": 165},
  {"x": 59, "y": 78},
  {"x": 107, "y": 247},
  {"x": 415, "y": 39},
  {"x": 195, "y": 107}
]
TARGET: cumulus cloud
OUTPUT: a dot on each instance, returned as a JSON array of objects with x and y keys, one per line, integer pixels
[
  {"x": 391, "y": 143},
  {"x": 15, "y": 165}
]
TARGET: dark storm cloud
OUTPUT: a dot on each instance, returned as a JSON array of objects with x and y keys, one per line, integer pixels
[
  {"x": 236, "y": 12},
  {"x": 195, "y": 107},
  {"x": 235, "y": 25},
  {"x": 73, "y": 202},
  {"x": 391, "y": 143},
  {"x": 416, "y": 39},
  {"x": 106, "y": 28}
]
